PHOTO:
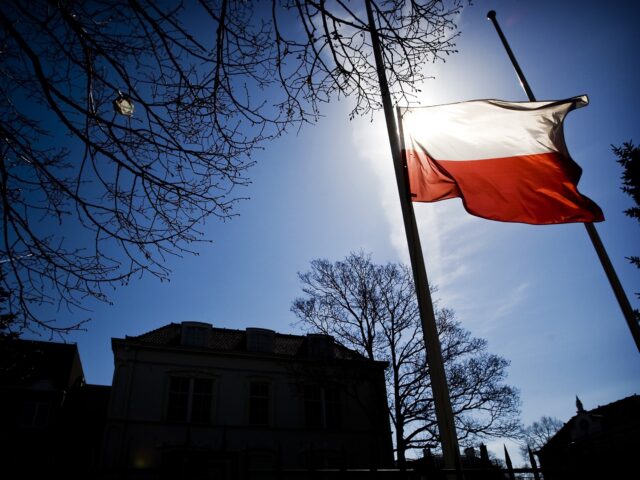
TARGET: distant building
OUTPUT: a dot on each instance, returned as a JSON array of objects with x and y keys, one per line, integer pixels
[
  {"x": 430, "y": 465},
  {"x": 193, "y": 401},
  {"x": 595, "y": 443},
  {"x": 51, "y": 422}
]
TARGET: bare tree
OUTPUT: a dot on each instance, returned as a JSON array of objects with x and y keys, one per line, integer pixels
[
  {"x": 373, "y": 309},
  {"x": 124, "y": 124},
  {"x": 536, "y": 435}
]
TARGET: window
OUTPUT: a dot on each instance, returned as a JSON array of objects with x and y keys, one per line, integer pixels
[
  {"x": 313, "y": 406},
  {"x": 35, "y": 414},
  {"x": 332, "y": 408},
  {"x": 320, "y": 345},
  {"x": 260, "y": 340},
  {"x": 201, "y": 400},
  {"x": 190, "y": 399},
  {"x": 195, "y": 334},
  {"x": 322, "y": 407},
  {"x": 259, "y": 399}
]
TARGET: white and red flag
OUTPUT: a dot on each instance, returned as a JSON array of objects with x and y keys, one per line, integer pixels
[{"x": 507, "y": 161}]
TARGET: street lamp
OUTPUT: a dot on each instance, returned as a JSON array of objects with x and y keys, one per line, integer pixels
[{"x": 123, "y": 105}]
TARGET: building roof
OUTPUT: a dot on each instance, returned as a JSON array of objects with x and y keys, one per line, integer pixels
[
  {"x": 25, "y": 362},
  {"x": 235, "y": 341},
  {"x": 621, "y": 414}
]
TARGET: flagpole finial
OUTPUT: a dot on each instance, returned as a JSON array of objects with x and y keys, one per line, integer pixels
[{"x": 491, "y": 14}]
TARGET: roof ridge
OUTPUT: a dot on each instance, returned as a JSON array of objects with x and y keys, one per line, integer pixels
[
  {"x": 229, "y": 339},
  {"x": 172, "y": 324},
  {"x": 606, "y": 405}
]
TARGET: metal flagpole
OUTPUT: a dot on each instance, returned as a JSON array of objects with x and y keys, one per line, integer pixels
[
  {"x": 619, "y": 292},
  {"x": 442, "y": 401}
]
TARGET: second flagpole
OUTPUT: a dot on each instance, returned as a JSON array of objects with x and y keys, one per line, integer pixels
[
  {"x": 614, "y": 281},
  {"x": 442, "y": 401}
]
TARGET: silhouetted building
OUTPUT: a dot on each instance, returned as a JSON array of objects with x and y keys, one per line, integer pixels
[
  {"x": 477, "y": 464},
  {"x": 193, "y": 401},
  {"x": 50, "y": 421},
  {"x": 595, "y": 442}
]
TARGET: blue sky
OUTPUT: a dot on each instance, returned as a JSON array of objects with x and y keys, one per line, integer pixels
[{"x": 537, "y": 294}]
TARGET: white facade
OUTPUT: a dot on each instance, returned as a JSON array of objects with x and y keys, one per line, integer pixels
[{"x": 189, "y": 400}]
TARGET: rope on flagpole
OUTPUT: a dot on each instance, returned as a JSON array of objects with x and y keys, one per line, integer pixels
[
  {"x": 442, "y": 400},
  {"x": 612, "y": 276}
]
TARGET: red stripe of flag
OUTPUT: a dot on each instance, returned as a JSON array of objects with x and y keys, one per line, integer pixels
[{"x": 537, "y": 189}]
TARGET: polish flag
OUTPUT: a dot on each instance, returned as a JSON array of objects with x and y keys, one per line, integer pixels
[{"x": 507, "y": 161}]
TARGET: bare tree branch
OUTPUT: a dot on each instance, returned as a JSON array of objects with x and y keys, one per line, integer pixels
[{"x": 93, "y": 195}]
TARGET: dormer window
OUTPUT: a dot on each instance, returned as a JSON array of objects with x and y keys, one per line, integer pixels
[
  {"x": 260, "y": 340},
  {"x": 195, "y": 334},
  {"x": 320, "y": 345}
]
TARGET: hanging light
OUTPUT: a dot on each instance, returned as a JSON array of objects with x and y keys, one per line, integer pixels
[{"x": 123, "y": 105}]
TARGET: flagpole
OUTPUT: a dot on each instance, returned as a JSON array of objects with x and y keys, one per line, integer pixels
[
  {"x": 612, "y": 276},
  {"x": 442, "y": 401}
]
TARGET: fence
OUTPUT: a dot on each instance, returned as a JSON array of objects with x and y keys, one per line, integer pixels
[{"x": 394, "y": 474}]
